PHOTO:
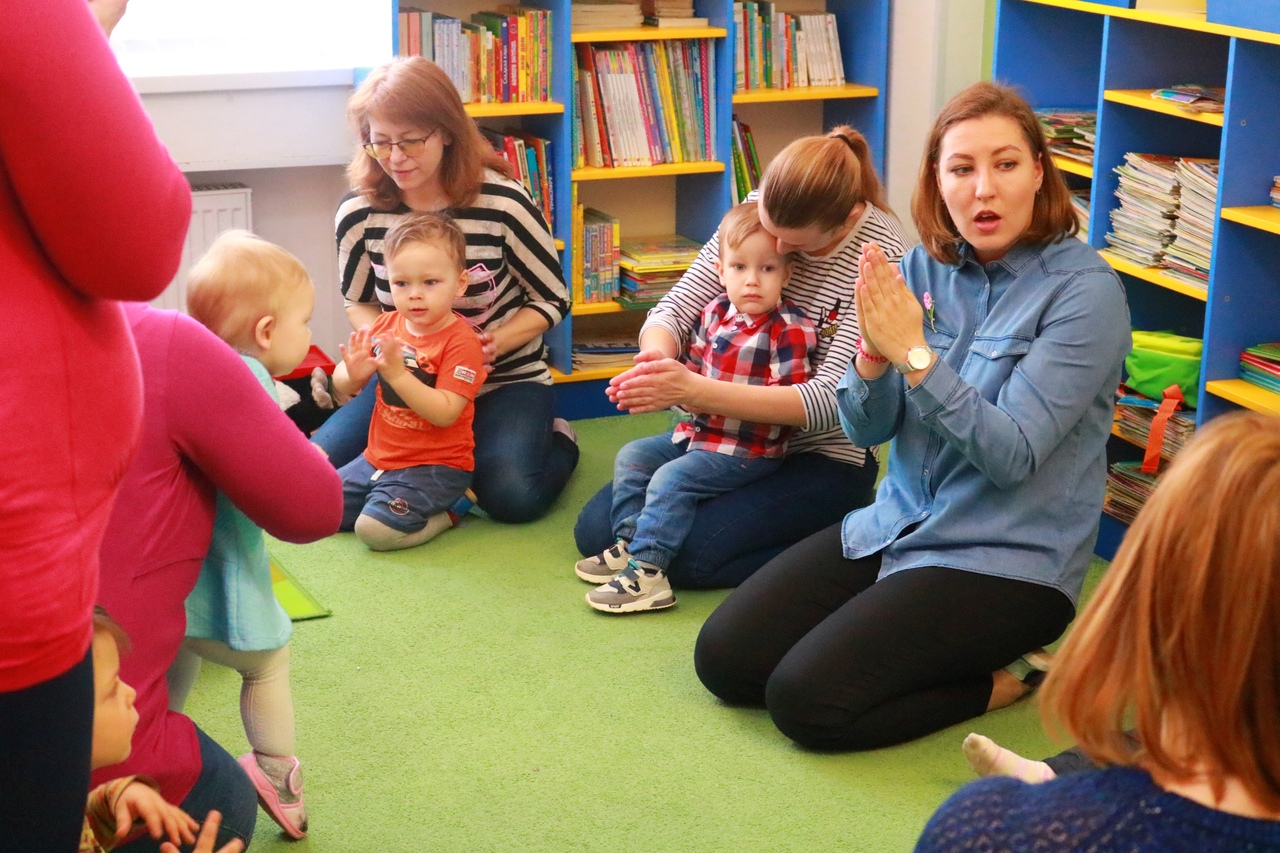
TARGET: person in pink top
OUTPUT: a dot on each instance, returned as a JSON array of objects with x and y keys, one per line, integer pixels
[
  {"x": 207, "y": 428},
  {"x": 92, "y": 210}
]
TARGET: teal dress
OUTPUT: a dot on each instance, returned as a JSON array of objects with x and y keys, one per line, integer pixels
[{"x": 232, "y": 601}]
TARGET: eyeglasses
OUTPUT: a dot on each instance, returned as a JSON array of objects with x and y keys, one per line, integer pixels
[{"x": 408, "y": 147}]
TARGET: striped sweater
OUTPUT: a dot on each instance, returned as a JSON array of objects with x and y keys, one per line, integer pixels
[
  {"x": 505, "y": 233},
  {"x": 823, "y": 288}
]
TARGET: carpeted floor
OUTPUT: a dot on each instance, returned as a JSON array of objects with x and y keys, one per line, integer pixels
[{"x": 463, "y": 697}]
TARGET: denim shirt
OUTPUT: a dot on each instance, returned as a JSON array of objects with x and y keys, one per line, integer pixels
[{"x": 998, "y": 461}]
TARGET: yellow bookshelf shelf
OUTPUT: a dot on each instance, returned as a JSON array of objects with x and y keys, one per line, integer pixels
[
  {"x": 1075, "y": 167},
  {"x": 1154, "y": 275},
  {"x": 648, "y": 34},
  {"x": 1182, "y": 20},
  {"x": 586, "y": 309},
  {"x": 560, "y": 245},
  {"x": 594, "y": 173},
  {"x": 1141, "y": 98},
  {"x": 518, "y": 108},
  {"x": 1245, "y": 394},
  {"x": 805, "y": 93},
  {"x": 587, "y": 375},
  {"x": 1262, "y": 216}
]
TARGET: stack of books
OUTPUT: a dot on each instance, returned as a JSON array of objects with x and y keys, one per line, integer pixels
[
  {"x": 670, "y": 13},
  {"x": 779, "y": 50},
  {"x": 1070, "y": 133},
  {"x": 1080, "y": 204},
  {"x": 1128, "y": 489},
  {"x": 1260, "y": 365},
  {"x": 494, "y": 57},
  {"x": 1134, "y": 414},
  {"x": 1142, "y": 226},
  {"x": 598, "y": 351},
  {"x": 605, "y": 14},
  {"x": 531, "y": 158},
  {"x": 1194, "y": 98},
  {"x": 652, "y": 266},
  {"x": 1275, "y": 191},
  {"x": 746, "y": 162},
  {"x": 597, "y": 241},
  {"x": 1187, "y": 257},
  {"x": 645, "y": 103}
]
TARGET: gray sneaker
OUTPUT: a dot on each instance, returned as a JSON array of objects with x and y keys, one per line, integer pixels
[
  {"x": 605, "y": 566},
  {"x": 633, "y": 591}
]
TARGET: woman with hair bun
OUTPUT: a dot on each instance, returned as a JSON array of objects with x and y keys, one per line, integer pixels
[{"x": 822, "y": 201}]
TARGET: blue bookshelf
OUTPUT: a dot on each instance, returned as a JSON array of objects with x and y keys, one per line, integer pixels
[{"x": 1104, "y": 56}]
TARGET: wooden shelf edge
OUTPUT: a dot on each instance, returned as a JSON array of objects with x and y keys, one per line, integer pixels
[
  {"x": 1181, "y": 20},
  {"x": 1141, "y": 99},
  {"x": 647, "y": 34},
  {"x": 1245, "y": 394},
  {"x": 1264, "y": 217},
  {"x": 595, "y": 173},
  {"x": 513, "y": 108},
  {"x": 586, "y": 375},
  {"x": 805, "y": 93},
  {"x": 1154, "y": 276},
  {"x": 1075, "y": 167}
]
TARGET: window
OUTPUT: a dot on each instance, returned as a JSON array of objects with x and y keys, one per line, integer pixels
[{"x": 178, "y": 38}]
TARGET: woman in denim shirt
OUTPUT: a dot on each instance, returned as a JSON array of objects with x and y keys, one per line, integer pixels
[{"x": 991, "y": 360}]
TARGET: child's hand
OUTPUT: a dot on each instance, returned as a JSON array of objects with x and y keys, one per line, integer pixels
[
  {"x": 139, "y": 801},
  {"x": 357, "y": 355},
  {"x": 390, "y": 358},
  {"x": 208, "y": 837}
]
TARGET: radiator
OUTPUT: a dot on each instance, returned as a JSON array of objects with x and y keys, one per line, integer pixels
[{"x": 214, "y": 209}]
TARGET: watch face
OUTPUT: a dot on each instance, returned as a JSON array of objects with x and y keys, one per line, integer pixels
[{"x": 918, "y": 357}]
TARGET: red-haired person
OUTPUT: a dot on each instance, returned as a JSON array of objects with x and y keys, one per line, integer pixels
[
  {"x": 990, "y": 361},
  {"x": 1170, "y": 678},
  {"x": 420, "y": 151},
  {"x": 821, "y": 200}
]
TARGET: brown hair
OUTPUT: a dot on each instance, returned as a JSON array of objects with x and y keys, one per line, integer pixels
[
  {"x": 1183, "y": 634},
  {"x": 434, "y": 228},
  {"x": 1052, "y": 216},
  {"x": 738, "y": 224},
  {"x": 104, "y": 624},
  {"x": 416, "y": 92},
  {"x": 238, "y": 281},
  {"x": 817, "y": 180}
]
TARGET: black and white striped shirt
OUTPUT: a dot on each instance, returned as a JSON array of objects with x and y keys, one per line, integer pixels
[
  {"x": 823, "y": 288},
  {"x": 505, "y": 233}
]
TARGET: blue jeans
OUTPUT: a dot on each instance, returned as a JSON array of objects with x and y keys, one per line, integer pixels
[
  {"x": 657, "y": 485},
  {"x": 522, "y": 466},
  {"x": 222, "y": 785},
  {"x": 738, "y": 532},
  {"x": 403, "y": 499}
]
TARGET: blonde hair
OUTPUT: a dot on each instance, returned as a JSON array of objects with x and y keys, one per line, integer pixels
[
  {"x": 1181, "y": 641},
  {"x": 238, "y": 281},
  {"x": 816, "y": 181},
  {"x": 416, "y": 92},
  {"x": 435, "y": 229},
  {"x": 738, "y": 224},
  {"x": 1052, "y": 216}
]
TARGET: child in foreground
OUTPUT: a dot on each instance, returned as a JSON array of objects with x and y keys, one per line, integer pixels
[
  {"x": 430, "y": 366},
  {"x": 258, "y": 298},
  {"x": 749, "y": 334},
  {"x": 121, "y": 807}
]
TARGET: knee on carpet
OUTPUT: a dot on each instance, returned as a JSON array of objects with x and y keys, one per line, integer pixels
[
  {"x": 803, "y": 710},
  {"x": 719, "y": 664},
  {"x": 378, "y": 536}
]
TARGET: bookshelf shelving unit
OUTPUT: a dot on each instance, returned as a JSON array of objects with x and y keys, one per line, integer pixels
[
  {"x": 1068, "y": 53},
  {"x": 702, "y": 190}
]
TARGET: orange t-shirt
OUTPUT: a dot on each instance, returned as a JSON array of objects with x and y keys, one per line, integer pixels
[{"x": 448, "y": 360}]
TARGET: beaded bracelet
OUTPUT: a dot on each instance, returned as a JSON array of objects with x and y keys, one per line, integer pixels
[{"x": 874, "y": 359}]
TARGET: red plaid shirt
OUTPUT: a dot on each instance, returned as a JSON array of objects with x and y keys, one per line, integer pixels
[{"x": 775, "y": 349}]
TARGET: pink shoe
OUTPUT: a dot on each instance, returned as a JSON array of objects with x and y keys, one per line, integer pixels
[{"x": 292, "y": 817}]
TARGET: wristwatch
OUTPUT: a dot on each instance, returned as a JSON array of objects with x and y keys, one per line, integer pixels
[{"x": 918, "y": 358}]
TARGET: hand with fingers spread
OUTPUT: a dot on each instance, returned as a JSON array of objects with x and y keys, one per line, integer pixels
[
  {"x": 389, "y": 360},
  {"x": 357, "y": 358},
  {"x": 889, "y": 315},
  {"x": 139, "y": 801},
  {"x": 208, "y": 837}
]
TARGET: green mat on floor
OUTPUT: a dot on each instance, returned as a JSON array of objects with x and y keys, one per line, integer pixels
[
  {"x": 463, "y": 697},
  {"x": 293, "y": 596}
]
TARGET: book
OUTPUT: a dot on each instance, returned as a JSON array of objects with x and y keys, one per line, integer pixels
[{"x": 652, "y": 21}]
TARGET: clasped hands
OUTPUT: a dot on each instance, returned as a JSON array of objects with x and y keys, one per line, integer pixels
[
  {"x": 890, "y": 318},
  {"x": 657, "y": 382}
]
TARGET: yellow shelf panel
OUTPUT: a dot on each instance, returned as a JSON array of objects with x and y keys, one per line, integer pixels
[
  {"x": 584, "y": 309},
  {"x": 593, "y": 173},
  {"x": 1154, "y": 275},
  {"x": 805, "y": 93},
  {"x": 560, "y": 245},
  {"x": 1075, "y": 167},
  {"x": 518, "y": 108},
  {"x": 1141, "y": 98},
  {"x": 587, "y": 375},
  {"x": 1245, "y": 394},
  {"x": 1182, "y": 20},
  {"x": 648, "y": 34},
  {"x": 1262, "y": 216}
]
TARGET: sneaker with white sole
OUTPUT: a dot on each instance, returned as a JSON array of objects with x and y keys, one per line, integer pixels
[
  {"x": 603, "y": 567},
  {"x": 635, "y": 590}
]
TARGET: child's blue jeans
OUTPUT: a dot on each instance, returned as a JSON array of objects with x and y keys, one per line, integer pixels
[{"x": 658, "y": 483}]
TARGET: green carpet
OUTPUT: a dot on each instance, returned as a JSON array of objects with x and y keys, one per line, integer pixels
[{"x": 463, "y": 697}]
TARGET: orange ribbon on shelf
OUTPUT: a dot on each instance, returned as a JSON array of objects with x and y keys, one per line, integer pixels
[{"x": 1172, "y": 401}]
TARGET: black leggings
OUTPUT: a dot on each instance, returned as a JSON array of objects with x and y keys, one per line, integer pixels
[
  {"x": 46, "y": 734},
  {"x": 843, "y": 661}
]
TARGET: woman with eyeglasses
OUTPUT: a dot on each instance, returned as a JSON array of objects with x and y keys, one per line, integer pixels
[{"x": 420, "y": 151}]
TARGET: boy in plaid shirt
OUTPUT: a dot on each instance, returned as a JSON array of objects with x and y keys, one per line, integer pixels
[{"x": 748, "y": 334}]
